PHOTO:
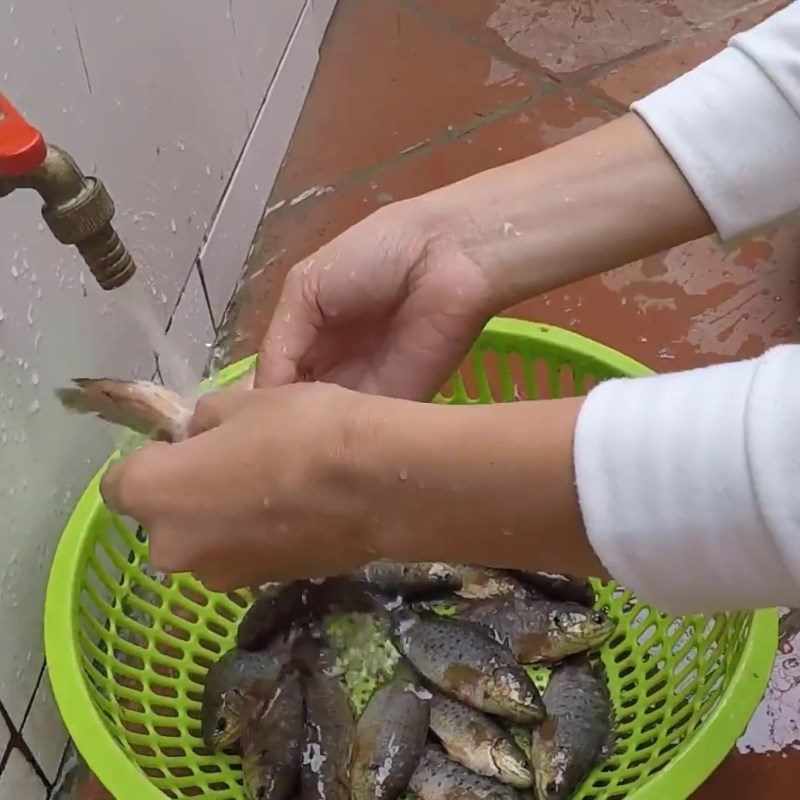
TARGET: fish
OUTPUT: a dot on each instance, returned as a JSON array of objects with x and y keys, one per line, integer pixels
[
  {"x": 238, "y": 687},
  {"x": 459, "y": 658},
  {"x": 272, "y": 744},
  {"x": 475, "y": 740},
  {"x": 144, "y": 407},
  {"x": 300, "y": 603},
  {"x": 577, "y": 732},
  {"x": 390, "y": 737},
  {"x": 329, "y": 733},
  {"x": 540, "y": 631},
  {"x": 430, "y": 580},
  {"x": 556, "y": 586},
  {"x": 438, "y": 778}
]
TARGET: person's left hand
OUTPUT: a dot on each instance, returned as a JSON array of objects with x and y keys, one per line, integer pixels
[{"x": 264, "y": 489}]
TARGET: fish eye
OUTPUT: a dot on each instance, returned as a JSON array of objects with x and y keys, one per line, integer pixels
[{"x": 222, "y": 724}]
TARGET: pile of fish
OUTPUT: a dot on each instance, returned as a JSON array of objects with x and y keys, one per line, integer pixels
[
  {"x": 458, "y": 714},
  {"x": 455, "y": 715}
]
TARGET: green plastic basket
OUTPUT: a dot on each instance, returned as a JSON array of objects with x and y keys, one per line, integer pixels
[{"x": 127, "y": 653}]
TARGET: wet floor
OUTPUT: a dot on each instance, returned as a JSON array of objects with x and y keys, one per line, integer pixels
[{"x": 413, "y": 94}]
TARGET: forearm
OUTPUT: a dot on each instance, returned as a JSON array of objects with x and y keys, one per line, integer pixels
[
  {"x": 591, "y": 204},
  {"x": 486, "y": 485}
]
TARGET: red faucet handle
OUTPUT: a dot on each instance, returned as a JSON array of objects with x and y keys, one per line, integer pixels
[{"x": 22, "y": 147}]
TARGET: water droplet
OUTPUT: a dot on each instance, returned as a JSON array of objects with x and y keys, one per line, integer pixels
[
  {"x": 173, "y": 225},
  {"x": 2, "y": 314},
  {"x": 403, "y": 474},
  {"x": 35, "y": 378},
  {"x": 14, "y": 271},
  {"x": 16, "y": 41},
  {"x": 34, "y": 406}
]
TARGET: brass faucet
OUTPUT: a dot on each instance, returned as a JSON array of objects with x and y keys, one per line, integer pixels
[{"x": 77, "y": 209}]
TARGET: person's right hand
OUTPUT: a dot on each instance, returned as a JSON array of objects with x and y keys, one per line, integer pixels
[{"x": 389, "y": 307}]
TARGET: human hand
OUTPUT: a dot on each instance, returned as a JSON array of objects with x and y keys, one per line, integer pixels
[
  {"x": 389, "y": 307},
  {"x": 313, "y": 480},
  {"x": 264, "y": 490}
]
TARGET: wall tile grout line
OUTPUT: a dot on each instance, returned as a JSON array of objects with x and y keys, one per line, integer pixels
[
  {"x": 33, "y": 695},
  {"x": 197, "y": 261},
  {"x": 199, "y": 264},
  {"x": 451, "y": 28},
  {"x": 248, "y": 139},
  {"x": 17, "y": 742}
]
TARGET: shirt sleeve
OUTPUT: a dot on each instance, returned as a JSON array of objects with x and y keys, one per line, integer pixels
[
  {"x": 732, "y": 125},
  {"x": 689, "y": 484}
]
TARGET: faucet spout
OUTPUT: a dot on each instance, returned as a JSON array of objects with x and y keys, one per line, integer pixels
[{"x": 77, "y": 208}]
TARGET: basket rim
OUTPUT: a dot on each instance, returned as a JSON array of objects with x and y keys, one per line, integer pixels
[{"x": 679, "y": 777}]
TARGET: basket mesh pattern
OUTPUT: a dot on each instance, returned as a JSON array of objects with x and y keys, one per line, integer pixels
[{"x": 145, "y": 642}]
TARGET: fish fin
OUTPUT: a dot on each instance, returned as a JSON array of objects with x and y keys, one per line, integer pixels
[
  {"x": 610, "y": 743},
  {"x": 74, "y": 399}
]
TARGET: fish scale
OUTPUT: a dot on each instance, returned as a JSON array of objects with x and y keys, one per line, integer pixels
[
  {"x": 475, "y": 740},
  {"x": 390, "y": 737},
  {"x": 461, "y": 660},
  {"x": 329, "y": 730},
  {"x": 577, "y": 730},
  {"x": 272, "y": 745},
  {"x": 438, "y": 778}
]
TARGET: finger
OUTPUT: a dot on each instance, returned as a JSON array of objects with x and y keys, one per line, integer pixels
[
  {"x": 214, "y": 408},
  {"x": 126, "y": 485},
  {"x": 292, "y": 331}
]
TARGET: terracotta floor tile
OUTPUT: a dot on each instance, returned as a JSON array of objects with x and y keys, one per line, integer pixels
[
  {"x": 388, "y": 81},
  {"x": 569, "y": 36},
  {"x": 91, "y": 789},
  {"x": 691, "y": 306},
  {"x": 293, "y": 232},
  {"x": 642, "y": 75}
]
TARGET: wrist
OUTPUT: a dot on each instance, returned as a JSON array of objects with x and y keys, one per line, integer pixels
[{"x": 590, "y": 204}]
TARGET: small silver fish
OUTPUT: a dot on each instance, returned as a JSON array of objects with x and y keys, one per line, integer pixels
[
  {"x": 329, "y": 732},
  {"x": 390, "y": 737},
  {"x": 438, "y": 778},
  {"x": 141, "y": 406},
  {"x": 432, "y": 579},
  {"x": 475, "y": 740},
  {"x": 272, "y": 744},
  {"x": 460, "y": 659},
  {"x": 577, "y": 732},
  {"x": 556, "y": 586},
  {"x": 238, "y": 687},
  {"x": 540, "y": 631},
  {"x": 298, "y": 604}
]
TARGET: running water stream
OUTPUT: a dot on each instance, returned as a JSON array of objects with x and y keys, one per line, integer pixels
[{"x": 136, "y": 301}]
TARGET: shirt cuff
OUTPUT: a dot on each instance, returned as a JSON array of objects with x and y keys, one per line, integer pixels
[
  {"x": 665, "y": 489},
  {"x": 735, "y": 138}
]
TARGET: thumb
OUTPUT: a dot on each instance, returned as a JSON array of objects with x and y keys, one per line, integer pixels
[
  {"x": 292, "y": 331},
  {"x": 126, "y": 486},
  {"x": 214, "y": 408}
]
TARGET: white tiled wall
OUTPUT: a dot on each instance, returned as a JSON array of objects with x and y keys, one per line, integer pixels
[{"x": 184, "y": 109}]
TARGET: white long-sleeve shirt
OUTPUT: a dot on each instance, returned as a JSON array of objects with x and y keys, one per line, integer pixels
[{"x": 689, "y": 483}]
